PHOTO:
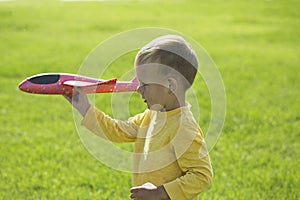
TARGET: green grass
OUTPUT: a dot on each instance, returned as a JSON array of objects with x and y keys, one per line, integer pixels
[{"x": 255, "y": 45}]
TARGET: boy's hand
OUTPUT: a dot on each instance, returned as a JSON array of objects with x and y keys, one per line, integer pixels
[
  {"x": 148, "y": 191},
  {"x": 79, "y": 100}
]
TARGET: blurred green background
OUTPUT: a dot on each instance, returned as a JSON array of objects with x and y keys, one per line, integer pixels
[{"x": 255, "y": 45}]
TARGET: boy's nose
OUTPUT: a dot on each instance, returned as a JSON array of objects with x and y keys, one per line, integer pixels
[{"x": 140, "y": 90}]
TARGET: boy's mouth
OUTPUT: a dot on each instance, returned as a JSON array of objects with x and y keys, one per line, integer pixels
[{"x": 145, "y": 101}]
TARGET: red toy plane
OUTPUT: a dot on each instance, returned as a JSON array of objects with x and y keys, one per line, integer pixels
[{"x": 58, "y": 83}]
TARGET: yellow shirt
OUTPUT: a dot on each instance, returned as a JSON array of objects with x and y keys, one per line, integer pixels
[{"x": 169, "y": 148}]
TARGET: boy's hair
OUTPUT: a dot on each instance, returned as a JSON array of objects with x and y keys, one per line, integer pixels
[{"x": 175, "y": 53}]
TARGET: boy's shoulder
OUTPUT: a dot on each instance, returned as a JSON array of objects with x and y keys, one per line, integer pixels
[
  {"x": 140, "y": 117},
  {"x": 189, "y": 127}
]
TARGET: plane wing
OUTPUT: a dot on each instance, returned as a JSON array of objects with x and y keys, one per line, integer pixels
[{"x": 79, "y": 83}]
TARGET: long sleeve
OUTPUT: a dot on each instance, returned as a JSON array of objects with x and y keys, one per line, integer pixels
[
  {"x": 193, "y": 159},
  {"x": 114, "y": 130}
]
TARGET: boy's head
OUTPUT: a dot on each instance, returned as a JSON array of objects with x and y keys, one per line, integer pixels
[
  {"x": 172, "y": 55},
  {"x": 169, "y": 65}
]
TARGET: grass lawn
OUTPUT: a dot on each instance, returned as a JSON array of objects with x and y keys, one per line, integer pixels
[{"x": 255, "y": 45}]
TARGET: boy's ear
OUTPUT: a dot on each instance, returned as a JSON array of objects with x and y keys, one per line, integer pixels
[{"x": 173, "y": 84}]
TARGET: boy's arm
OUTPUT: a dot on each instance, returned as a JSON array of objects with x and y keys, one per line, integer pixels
[
  {"x": 100, "y": 123},
  {"x": 194, "y": 161},
  {"x": 104, "y": 126}
]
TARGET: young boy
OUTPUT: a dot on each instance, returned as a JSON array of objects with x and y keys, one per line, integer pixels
[{"x": 170, "y": 159}]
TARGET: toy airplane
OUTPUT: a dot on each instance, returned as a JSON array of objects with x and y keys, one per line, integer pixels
[{"x": 58, "y": 83}]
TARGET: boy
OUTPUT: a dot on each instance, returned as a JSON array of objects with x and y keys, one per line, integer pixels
[{"x": 170, "y": 159}]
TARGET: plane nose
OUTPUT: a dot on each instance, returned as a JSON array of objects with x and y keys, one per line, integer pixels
[{"x": 22, "y": 85}]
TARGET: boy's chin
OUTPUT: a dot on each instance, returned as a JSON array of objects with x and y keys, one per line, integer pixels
[{"x": 155, "y": 107}]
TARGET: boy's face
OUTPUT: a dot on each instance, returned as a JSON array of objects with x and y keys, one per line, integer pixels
[{"x": 153, "y": 87}]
